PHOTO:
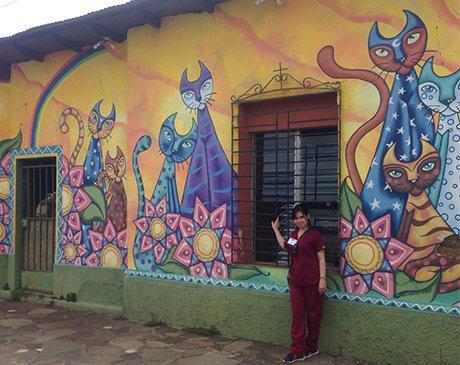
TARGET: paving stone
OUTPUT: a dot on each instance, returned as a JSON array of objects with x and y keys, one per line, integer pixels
[
  {"x": 163, "y": 356},
  {"x": 200, "y": 351},
  {"x": 126, "y": 342},
  {"x": 156, "y": 344},
  {"x": 57, "y": 347},
  {"x": 105, "y": 353},
  {"x": 42, "y": 311},
  {"x": 193, "y": 344},
  {"x": 44, "y": 337},
  {"x": 238, "y": 346},
  {"x": 15, "y": 322},
  {"x": 214, "y": 358}
]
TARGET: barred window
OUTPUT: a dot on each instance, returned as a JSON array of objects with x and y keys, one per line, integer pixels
[{"x": 286, "y": 152}]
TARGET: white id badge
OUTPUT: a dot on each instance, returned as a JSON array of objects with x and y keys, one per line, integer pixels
[{"x": 292, "y": 241}]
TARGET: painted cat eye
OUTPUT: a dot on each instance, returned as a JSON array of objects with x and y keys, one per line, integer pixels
[
  {"x": 428, "y": 166},
  {"x": 189, "y": 94},
  {"x": 93, "y": 118},
  {"x": 413, "y": 38},
  {"x": 168, "y": 135},
  {"x": 121, "y": 161},
  {"x": 206, "y": 84},
  {"x": 395, "y": 174},
  {"x": 428, "y": 89},
  {"x": 187, "y": 144},
  {"x": 108, "y": 123},
  {"x": 381, "y": 52}
]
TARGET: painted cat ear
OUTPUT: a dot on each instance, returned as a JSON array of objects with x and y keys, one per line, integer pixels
[
  {"x": 170, "y": 121},
  {"x": 205, "y": 74},
  {"x": 427, "y": 72},
  {"x": 97, "y": 106},
  {"x": 112, "y": 113},
  {"x": 375, "y": 37},
  {"x": 184, "y": 78},
  {"x": 119, "y": 152},
  {"x": 413, "y": 21}
]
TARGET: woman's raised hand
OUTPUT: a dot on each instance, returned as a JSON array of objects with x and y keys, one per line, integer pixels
[{"x": 276, "y": 224}]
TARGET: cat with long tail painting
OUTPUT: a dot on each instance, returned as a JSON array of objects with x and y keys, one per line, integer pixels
[
  {"x": 158, "y": 216},
  {"x": 401, "y": 111},
  {"x": 406, "y": 138},
  {"x": 100, "y": 128}
]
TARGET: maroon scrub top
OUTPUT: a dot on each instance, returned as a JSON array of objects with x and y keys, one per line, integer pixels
[{"x": 304, "y": 268}]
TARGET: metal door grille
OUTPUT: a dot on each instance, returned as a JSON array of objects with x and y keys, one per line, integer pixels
[
  {"x": 284, "y": 157},
  {"x": 38, "y": 218}
]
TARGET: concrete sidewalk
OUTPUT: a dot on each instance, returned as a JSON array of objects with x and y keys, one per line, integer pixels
[{"x": 34, "y": 334}]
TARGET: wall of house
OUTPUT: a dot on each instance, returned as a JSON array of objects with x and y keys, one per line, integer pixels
[{"x": 166, "y": 215}]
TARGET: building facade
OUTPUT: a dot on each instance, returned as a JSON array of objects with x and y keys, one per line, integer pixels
[{"x": 169, "y": 152}]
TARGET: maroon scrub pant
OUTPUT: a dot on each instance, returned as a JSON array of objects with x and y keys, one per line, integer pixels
[{"x": 307, "y": 306}]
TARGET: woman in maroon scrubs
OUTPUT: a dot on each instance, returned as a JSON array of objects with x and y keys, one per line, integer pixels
[{"x": 307, "y": 283}]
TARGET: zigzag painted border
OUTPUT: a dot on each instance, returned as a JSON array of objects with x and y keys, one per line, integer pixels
[
  {"x": 34, "y": 152},
  {"x": 338, "y": 296},
  {"x": 209, "y": 281}
]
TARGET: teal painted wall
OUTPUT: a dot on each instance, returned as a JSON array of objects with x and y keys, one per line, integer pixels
[{"x": 372, "y": 333}]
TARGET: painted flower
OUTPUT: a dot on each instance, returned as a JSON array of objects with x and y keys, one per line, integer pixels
[
  {"x": 74, "y": 200},
  {"x": 206, "y": 245},
  {"x": 73, "y": 197},
  {"x": 158, "y": 228},
  {"x": 4, "y": 224},
  {"x": 370, "y": 255},
  {"x": 5, "y": 190},
  {"x": 74, "y": 249},
  {"x": 5, "y": 176},
  {"x": 109, "y": 248}
]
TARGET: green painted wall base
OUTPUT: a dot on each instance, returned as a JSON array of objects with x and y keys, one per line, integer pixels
[
  {"x": 95, "y": 286},
  {"x": 3, "y": 270},
  {"x": 372, "y": 333},
  {"x": 34, "y": 280}
]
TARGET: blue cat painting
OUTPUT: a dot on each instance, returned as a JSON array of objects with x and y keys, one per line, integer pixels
[
  {"x": 151, "y": 245},
  {"x": 100, "y": 128},
  {"x": 441, "y": 94},
  {"x": 407, "y": 120}
]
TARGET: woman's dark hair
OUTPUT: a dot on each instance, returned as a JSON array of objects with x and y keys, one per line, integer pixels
[{"x": 302, "y": 208}]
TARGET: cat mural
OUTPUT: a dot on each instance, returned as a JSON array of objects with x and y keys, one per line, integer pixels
[
  {"x": 90, "y": 222},
  {"x": 6, "y": 148},
  {"x": 193, "y": 238},
  {"x": 442, "y": 96},
  {"x": 210, "y": 176},
  {"x": 386, "y": 212},
  {"x": 158, "y": 216},
  {"x": 100, "y": 128},
  {"x": 406, "y": 118}
]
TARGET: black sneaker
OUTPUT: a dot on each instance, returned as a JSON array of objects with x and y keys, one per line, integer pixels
[
  {"x": 311, "y": 353},
  {"x": 290, "y": 358}
]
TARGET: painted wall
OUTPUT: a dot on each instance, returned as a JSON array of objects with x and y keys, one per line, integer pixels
[{"x": 165, "y": 119}]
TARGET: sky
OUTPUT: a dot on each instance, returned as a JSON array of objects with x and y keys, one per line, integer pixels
[{"x": 19, "y": 15}]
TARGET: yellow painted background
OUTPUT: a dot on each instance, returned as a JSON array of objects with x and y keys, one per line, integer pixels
[{"x": 241, "y": 44}]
